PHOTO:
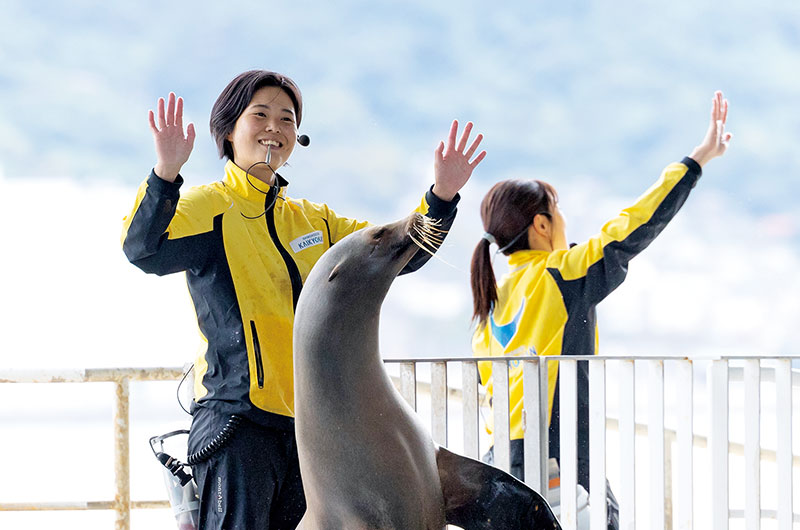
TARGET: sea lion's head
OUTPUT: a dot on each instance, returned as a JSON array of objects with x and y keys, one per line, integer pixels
[{"x": 363, "y": 265}]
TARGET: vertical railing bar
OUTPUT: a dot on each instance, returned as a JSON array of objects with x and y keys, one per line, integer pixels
[
  {"x": 469, "y": 404},
  {"x": 544, "y": 423},
  {"x": 752, "y": 444},
  {"x": 122, "y": 494},
  {"x": 783, "y": 454},
  {"x": 669, "y": 445},
  {"x": 568, "y": 438},
  {"x": 500, "y": 406},
  {"x": 597, "y": 444},
  {"x": 535, "y": 466},
  {"x": 439, "y": 402},
  {"x": 408, "y": 383},
  {"x": 627, "y": 445},
  {"x": 683, "y": 493},
  {"x": 718, "y": 443},
  {"x": 655, "y": 435}
]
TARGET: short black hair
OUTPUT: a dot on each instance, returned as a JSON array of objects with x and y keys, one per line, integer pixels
[{"x": 237, "y": 96}]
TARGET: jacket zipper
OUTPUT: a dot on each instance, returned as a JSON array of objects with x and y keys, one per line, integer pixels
[
  {"x": 291, "y": 266},
  {"x": 257, "y": 349}
]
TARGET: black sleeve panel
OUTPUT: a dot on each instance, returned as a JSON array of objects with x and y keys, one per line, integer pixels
[
  {"x": 147, "y": 244},
  {"x": 610, "y": 271},
  {"x": 444, "y": 211}
]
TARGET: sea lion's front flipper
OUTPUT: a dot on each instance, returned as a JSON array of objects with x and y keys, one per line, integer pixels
[{"x": 480, "y": 497}]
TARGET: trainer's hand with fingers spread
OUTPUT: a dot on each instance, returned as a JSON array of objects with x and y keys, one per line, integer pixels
[
  {"x": 452, "y": 166},
  {"x": 172, "y": 147},
  {"x": 717, "y": 139}
]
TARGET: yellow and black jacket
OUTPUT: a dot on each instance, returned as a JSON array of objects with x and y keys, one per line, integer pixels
[
  {"x": 246, "y": 254},
  {"x": 547, "y": 301}
]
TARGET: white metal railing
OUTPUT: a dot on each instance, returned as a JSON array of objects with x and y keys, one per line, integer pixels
[
  {"x": 671, "y": 498},
  {"x": 121, "y": 377}
]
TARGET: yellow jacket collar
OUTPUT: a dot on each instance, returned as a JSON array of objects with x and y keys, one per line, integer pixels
[
  {"x": 249, "y": 187},
  {"x": 521, "y": 258}
]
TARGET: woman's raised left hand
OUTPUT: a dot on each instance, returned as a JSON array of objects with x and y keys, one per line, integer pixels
[{"x": 452, "y": 166}]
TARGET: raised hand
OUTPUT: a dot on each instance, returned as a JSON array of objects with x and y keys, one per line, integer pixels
[
  {"x": 172, "y": 147},
  {"x": 452, "y": 166},
  {"x": 717, "y": 139}
]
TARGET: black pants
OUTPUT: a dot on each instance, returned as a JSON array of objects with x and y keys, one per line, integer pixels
[
  {"x": 517, "y": 449},
  {"x": 252, "y": 482}
]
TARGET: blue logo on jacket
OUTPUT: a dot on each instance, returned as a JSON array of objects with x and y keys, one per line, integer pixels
[{"x": 503, "y": 334}]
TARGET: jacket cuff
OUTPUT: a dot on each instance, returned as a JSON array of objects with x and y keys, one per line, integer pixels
[
  {"x": 693, "y": 166},
  {"x": 438, "y": 208},
  {"x": 163, "y": 187}
]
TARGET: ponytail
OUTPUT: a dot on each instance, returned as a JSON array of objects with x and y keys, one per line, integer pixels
[
  {"x": 507, "y": 211},
  {"x": 484, "y": 287}
]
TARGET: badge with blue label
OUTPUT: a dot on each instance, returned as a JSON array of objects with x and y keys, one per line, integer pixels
[{"x": 308, "y": 240}]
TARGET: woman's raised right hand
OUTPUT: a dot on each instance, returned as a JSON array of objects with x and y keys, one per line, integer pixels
[
  {"x": 717, "y": 139},
  {"x": 172, "y": 147}
]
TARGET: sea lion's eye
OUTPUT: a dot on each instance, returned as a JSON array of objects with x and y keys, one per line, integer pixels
[
  {"x": 334, "y": 273},
  {"x": 379, "y": 234}
]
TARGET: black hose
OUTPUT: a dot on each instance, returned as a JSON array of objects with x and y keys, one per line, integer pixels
[{"x": 217, "y": 443}]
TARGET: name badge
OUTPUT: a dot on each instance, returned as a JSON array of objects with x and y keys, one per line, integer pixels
[{"x": 308, "y": 240}]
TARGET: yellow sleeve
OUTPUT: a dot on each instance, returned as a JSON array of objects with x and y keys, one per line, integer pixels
[{"x": 602, "y": 261}]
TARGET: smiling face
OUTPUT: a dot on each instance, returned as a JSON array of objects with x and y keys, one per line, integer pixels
[{"x": 268, "y": 122}]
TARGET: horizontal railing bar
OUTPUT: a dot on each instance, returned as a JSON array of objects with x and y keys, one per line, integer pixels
[
  {"x": 172, "y": 373},
  {"x": 160, "y": 505},
  {"x": 90, "y": 375},
  {"x": 736, "y": 374},
  {"x": 77, "y": 506},
  {"x": 150, "y": 505},
  {"x": 765, "y": 514},
  {"x": 595, "y": 358},
  {"x": 701, "y": 442},
  {"x": 110, "y": 375}
]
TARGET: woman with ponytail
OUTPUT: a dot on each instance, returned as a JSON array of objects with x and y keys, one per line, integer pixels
[{"x": 546, "y": 303}]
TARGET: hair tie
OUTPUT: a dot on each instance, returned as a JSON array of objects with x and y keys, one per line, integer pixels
[{"x": 490, "y": 238}]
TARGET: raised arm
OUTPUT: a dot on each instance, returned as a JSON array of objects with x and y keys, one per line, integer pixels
[
  {"x": 152, "y": 239},
  {"x": 452, "y": 169},
  {"x": 452, "y": 166},
  {"x": 590, "y": 271},
  {"x": 172, "y": 146},
  {"x": 717, "y": 139}
]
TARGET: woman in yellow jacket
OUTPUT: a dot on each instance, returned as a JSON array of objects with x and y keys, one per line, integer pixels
[
  {"x": 246, "y": 248},
  {"x": 546, "y": 303}
]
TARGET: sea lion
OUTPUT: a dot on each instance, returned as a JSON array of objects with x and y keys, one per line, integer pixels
[{"x": 366, "y": 460}]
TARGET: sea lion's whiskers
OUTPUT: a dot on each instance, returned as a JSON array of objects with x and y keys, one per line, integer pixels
[
  {"x": 423, "y": 247},
  {"x": 431, "y": 224},
  {"x": 433, "y": 240},
  {"x": 430, "y": 228},
  {"x": 427, "y": 232}
]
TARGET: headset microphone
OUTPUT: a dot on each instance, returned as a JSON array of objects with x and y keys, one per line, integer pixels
[{"x": 303, "y": 140}]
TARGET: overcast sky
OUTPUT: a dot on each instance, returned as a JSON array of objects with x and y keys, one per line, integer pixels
[{"x": 594, "y": 99}]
